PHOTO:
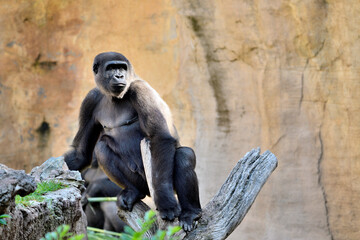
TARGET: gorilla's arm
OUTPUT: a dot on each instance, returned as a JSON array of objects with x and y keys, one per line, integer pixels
[
  {"x": 102, "y": 188},
  {"x": 155, "y": 119},
  {"x": 89, "y": 129}
]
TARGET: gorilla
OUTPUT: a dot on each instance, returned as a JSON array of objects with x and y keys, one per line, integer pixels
[
  {"x": 101, "y": 215},
  {"x": 114, "y": 118}
]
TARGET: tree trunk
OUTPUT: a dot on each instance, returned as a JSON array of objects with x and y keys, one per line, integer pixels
[{"x": 228, "y": 207}]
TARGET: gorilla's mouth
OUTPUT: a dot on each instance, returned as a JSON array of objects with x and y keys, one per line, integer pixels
[{"x": 118, "y": 88}]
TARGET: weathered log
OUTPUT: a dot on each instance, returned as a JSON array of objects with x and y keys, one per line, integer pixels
[{"x": 228, "y": 207}]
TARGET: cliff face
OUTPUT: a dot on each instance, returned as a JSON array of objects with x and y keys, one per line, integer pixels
[{"x": 283, "y": 75}]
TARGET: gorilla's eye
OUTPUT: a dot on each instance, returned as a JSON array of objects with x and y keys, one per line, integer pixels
[
  {"x": 96, "y": 68},
  {"x": 116, "y": 66}
]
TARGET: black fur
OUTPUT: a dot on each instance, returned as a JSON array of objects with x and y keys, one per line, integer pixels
[
  {"x": 100, "y": 215},
  {"x": 114, "y": 118},
  {"x": 87, "y": 135}
]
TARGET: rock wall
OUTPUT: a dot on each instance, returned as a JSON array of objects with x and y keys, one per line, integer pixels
[
  {"x": 282, "y": 74},
  {"x": 58, "y": 207}
]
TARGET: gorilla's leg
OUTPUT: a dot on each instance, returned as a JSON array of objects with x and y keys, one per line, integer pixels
[
  {"x": 112, "y": 221},
  {"x": 118, "y": 170},
  {"x": 94, "y": 215},
  {"x": 186, "y": 186},
  {"x": 103, "y": 187}
]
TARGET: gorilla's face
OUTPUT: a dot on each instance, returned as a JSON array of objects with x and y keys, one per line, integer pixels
[{"x": 111, "y": 73}]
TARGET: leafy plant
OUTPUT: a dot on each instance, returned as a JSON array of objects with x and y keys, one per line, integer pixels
[
  {"x": 146, "y": 225},
  {"x": 49, "y": 186},
  {"x": 2, "y": 219},
  {"x": 62, "y": 233},
  {"x": 101, "y": 234},
  {"x": 42, "y": 188}
]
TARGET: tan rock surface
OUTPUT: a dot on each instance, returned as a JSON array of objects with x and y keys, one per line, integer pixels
[{"x": 282, "y": 74}]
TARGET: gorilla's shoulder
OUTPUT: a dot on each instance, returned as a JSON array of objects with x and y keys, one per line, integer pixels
[
  {"x": 139, "y": 86},
  {"x": 92, "y": 99},
  {"x": 94, "y": 94},
  {"x": 136, "y": 83}
]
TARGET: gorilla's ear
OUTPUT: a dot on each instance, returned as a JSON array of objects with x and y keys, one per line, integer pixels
[{"x": 96, "y": 68}]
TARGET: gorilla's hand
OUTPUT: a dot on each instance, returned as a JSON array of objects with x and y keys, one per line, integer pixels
[{"x": 127, "y": 198}]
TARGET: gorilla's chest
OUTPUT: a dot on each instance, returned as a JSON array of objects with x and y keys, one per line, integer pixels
[{"x": 112, "y": 115}]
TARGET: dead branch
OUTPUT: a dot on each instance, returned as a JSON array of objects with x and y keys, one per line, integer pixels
[{"x": 228, "y": 207}]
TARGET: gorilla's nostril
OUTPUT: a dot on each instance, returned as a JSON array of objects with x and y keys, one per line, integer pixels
[{"x": 119, "y": 76}]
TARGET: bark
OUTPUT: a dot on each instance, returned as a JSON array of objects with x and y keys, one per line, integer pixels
[{"x": 228, "y": 207}]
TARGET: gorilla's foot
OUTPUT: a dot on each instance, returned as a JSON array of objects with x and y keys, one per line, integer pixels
[
  {"x": 188, "y": 219},
  {"x": 127, "y": 198},
  {"x": 170, "y": 213}
]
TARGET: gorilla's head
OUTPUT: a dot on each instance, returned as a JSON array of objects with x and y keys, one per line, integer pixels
[{"x": 113, "y": 73}]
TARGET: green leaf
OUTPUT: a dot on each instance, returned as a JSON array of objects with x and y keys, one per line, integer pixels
[
  {"x": 54, "y": 235},
  {"x": 160, "y": 234},
  {"x": 137, "y": 235},
  {"x": 126, "y": 237},
  {"x": 51, "y": 236},
  {"x": 129, "y": 230},
  {"x": 63, "y": 230},
  {"x": 149, "y": 215},
  {"x": 140, "y": 222},
  {"x": 48, "y": 236},
  {"x": 2, "y": 220},
  {"x": 171, "y": 230},
  {"x": 77, "y": 237},
  {"x": 94, "y": 237},
  {"x": 59, "y": 228}
]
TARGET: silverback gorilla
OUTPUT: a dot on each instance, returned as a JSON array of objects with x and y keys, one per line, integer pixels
[{"x": 114, "y": 118}]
